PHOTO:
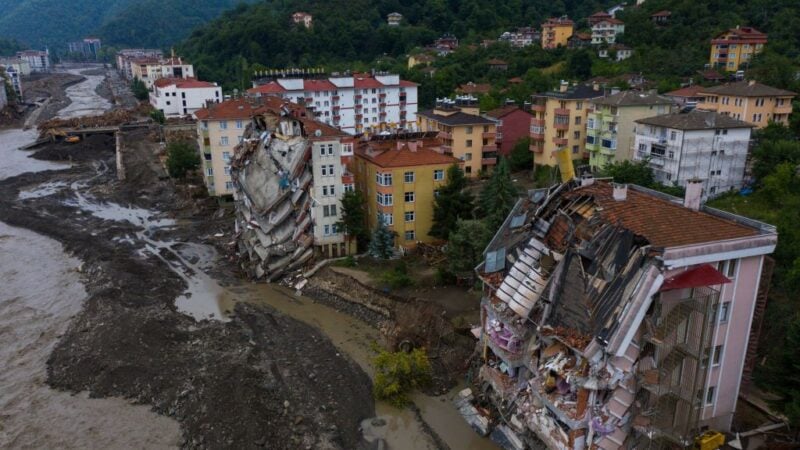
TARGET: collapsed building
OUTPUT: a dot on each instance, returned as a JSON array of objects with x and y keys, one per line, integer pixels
[
  {"x": 280, "y": 212},
  {"x": 614, "y": 317}
]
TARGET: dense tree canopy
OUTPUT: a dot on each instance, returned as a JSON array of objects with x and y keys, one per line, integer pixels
[{"x": 452, "y": 203}]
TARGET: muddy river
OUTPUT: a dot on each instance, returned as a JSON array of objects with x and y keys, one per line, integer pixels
[{"x": 38, "y": 299}]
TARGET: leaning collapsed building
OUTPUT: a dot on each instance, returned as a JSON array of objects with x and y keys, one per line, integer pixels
[{"x": 616, "y": 317}]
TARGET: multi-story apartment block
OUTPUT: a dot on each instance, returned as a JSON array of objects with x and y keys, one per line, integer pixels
[
  {"x": 38, "y": 61},
  {"x": 522, "y": 37},
  {"x": 15, "y": 69},
  {"x": 606, "y": 31},
  {"x": 625, "y": 314},
  {"x": 88, "y": 48},
  {"x": 750, "y": 101},
  {"x": 559, "y": 121},
  {"x": 399, "y": 175},
  {"x": 393, "y": 19},
  {"x": 610, "y": 124},
  {"x": 177, "y": 97},
  {"x": 355, "y": 103},
  {"x": 220, "y": 128},
  {"x": 303, "y": 18},
  {"x": 696, "y": 145},
  {"x": 735, "y": 48},
  {"x": 126, "y": 57},
  {"x": 151, "y": 69},
  {"x": 556, "y": 32},
  {"x": 598, "y": 17},
  {"x": 513, "y": 124},
  {"x": 465, "y": 134},
  {"x": 3, "y": 95}
]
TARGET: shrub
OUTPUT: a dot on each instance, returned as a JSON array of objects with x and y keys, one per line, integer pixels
[
  {"x": 158, "y": 116},
  {"x": 181, "y": 158},
  {"x": 397, "y": 277},
  {"x": 398, "y": 373}
]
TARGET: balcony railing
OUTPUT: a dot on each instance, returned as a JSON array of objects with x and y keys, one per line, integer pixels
[
  {"x": 489, "y": 148},
  {"x": 536, "y": 147},
  {"x": 489, "y": 135},
  {"x": 447, "y": 149},
  {"x": 445, "y": 135},
  {"x": 537, "y": 108},
  {"x": 561, "y": 142},
  {"x": 489, "y": 161}
]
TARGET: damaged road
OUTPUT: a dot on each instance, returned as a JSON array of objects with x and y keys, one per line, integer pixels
[{"x": 260, "y": 379}]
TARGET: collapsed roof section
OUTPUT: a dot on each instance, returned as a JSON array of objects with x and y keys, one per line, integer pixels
[
  {"x": 271, "y": 175},
  {"x": 580, "y": 345}
]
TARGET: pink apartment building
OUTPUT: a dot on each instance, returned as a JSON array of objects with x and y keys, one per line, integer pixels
[{"x": 617, "y": 317}]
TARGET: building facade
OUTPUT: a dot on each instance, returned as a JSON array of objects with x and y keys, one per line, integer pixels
[
  {"x": 38, "y": 61},
  {"x": 688, "y": 96},
  {"x": 148, "y": 70},
  {"x": 696, "y": 145},
  {"x": 399, "y": 176},
  {"x": 749, "y": 101},
  {"x": 220, "y": 128},
  {"x": 556, "y": 32},
  {"x": 178, "y": 97},
  {"x": 735, "y": 48},
  {"x": 631, "y": 333},
  {"x": 359, "y": 103},
  {"x": 466, "y": 135},
  {"x": 126, "y": 57},
  {"x": 610, "y": 124},
  {"x": 15, "y": 68},
  {"x": 513, "y": 124},
  {"x": 302, "y": 18},
  {"x": 606, "y": 31},
  {"x": 393, "y": 19},
  {"x": 88, "y": 48},
  {"x": 559, "y": 122}
]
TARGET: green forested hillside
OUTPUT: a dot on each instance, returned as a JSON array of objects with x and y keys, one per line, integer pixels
[{"x": 154, "y": 23}]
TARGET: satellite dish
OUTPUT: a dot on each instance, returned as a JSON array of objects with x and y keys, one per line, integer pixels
[{"x": 317, "y": 133}]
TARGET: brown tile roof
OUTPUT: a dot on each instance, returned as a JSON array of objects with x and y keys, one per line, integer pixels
[
  {"x": 455, "y": 119},
  {"x": 269, "y": 88},
  {"x": 694, "y": 120},
  {"x": 662, "y": 13},
  {"x": 661, "y": 222},
  {"x": 747, "y": 89},
  {"x": 385, "y": 152},
  {"x": 689, "y": 91},
  {"x": 473, "y": 88},
  {"x": 230, "y": 109},
  {"x": 504, "y": 111},
  {"x": 313, "y": 126}
]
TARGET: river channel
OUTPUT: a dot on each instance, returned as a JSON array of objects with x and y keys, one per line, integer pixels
[{"x": 42, "y": 290}]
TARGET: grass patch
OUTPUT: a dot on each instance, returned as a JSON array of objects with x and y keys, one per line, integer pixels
[{"x": 755, "y": 206}]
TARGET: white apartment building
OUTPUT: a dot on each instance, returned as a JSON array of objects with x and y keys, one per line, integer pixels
[
  {"x": 331, "y": 157},
  {"x": 125, "y": 58},
  {"x": 177, "y": 97},
  {"x": 15, "y": 68},
  {"x": 355, "y": 103},
  {"x": 698, "y": 145},
  {"x": 150, "y": 69},
  {"x": 606, "y": 31},
  {"x": 38, "y": 61}
]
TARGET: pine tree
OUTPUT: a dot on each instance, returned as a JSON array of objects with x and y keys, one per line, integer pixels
[
  {"x": 353, "y": 223},
  {"x": 498, "y": 196},
  {"x": 451, "y": 204},
  {"x": 382, "y": 243},
  {"x": 466, "y": 244}
]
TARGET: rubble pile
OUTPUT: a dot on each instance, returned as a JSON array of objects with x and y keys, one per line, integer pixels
[
  {"x": 110, "y": 119},
  {"x": 271, "y": 176}
]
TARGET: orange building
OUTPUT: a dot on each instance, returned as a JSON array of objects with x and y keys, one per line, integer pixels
[
  {"x": 736, "y": 47},
  {"x": 556, "y": 32}
]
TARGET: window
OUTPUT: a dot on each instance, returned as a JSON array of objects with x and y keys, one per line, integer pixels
[
  {"x": 710, "y": 395},
  {"x": 409, "y": 216},
  {"x": 226, "y": 156},
  {"x": 673, "y": 135},
  {"x": 227, "y": 170},
  {"x": 717, "y": 356},
  {"x": 410, "y": 235},
  {"x": 229, "y": 185},
  {"x": 205, "y": 125},
  {"x": 469, "y": 143},
  {"x": 386, "y": 218},
  {"x": 408, "y": 177},
  {"x": 731, "y": 268},
  {"x": 347, "y": 149},
  {"x": 671, "y": 154},
  {"x": 575, "y": 149},
  {"x": 239, "y": 124},
  {"x": 210, "y": 171},
  {"x": 724, "y": 312},
  {"x": 579, "y": 105},
  {"x": 577, "y": 120},
  {"x": 327, "y": 170},
  {"x": 438, "y": 175},
  {"x": 223, "y": 140},
  {"x": 760, "y": 101},
  {"x": 327, "y": 229},
  {"x": 330, "y": 149},
  {"x": 590, "y": 123},
  {"x": 590, "y": 139},
  {"x": 329, "y": 191},
  {"x": 329, "y": 211},
  {"x": 757, "y": 117},
  {"x": 642, "y": 147},
  {"x": 383, "y": 179},
  {"x": 385, "y": 199},
  {"x": 223, "y": 125},
  {"x": 576, "y": 135},
  {"x": 469, "y": 130},
  {"x": 409, "y": 197},
  {"x": 467, "y": 156},
  {"x": 349, "y": 188}
]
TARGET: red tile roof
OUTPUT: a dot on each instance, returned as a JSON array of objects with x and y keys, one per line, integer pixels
[
  {"x": 661, "y": 222},
  {"x": 472, "y": 88},
  {"x": 386, "y": 154},
  {"x": 269, "y": 88},
  {"x": 689, "y": 91},
  {"x": 312, "y": 126},
  {"x": 318, "y": 85},
  {"x": 662, "y": 13},
  {"x": 363, "y": 81},
  {"x": 405, "y": 83},
  {"x": 230, "y": 109}
]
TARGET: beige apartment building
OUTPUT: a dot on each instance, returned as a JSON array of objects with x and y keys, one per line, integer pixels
[
  {"x": 752, "y": 102},
  {"x": 466, "y": 135},
  {"x": 220, "y": 128},
  {"x": 559, "y": 121}
]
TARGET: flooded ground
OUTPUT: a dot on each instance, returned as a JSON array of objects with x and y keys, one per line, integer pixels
[
  {"x": 85, "y": 101},
  {"x": 41, "y": 292}
]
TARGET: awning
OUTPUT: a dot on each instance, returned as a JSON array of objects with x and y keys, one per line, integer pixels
[{"x": 705, "y": 275}]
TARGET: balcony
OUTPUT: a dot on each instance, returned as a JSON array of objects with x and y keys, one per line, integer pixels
[
  {"x": 335, "y": 98},
  {"x": 489, "y": 135},
  {"x": 382, "y": 114},
  {"x": 309, "y": 100},
  {"x": 536, "y": 147},
  {"x": 537, "y": 108},
  {"x": 537, "y": 123},
  {"x": 489, "y": 148},
  {"x": 382, "y": 105},
  {"x": 537, "y": 136},
  {"x": 445, "y": 135},
  {"x": 561, "y": 112},
  {"x": 489, "y": 161},
  {"x": 359, "y": 116},
  {"x": 561, "y": 125},
  {"x": 448, "y": 149},
  {"x": 561, "y": 142},
  {"x": 358, "y": 96},
  {"x": 348, "y": 178},
  {"x": 382, "y": 95},
  {"x": 335, "y": 107},
  {"x": 402, "y": 103}
]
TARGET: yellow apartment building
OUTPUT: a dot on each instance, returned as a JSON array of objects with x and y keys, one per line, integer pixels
[
  {"x": 399, "y": 176},
  {"x": 749, "y": 101},
  {"x": 220, "y": 128},
  {"x": 559, "y": 121},
  {"x": 466, "y": 135},
  {"x": 735, "y": 48},
  {"x": 556, "y": 32}
]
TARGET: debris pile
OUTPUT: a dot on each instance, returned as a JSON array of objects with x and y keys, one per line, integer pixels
[{"x": 110, "y": 119}]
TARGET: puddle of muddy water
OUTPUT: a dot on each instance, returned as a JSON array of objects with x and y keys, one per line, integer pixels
[{"x": 43, "y": 190}]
